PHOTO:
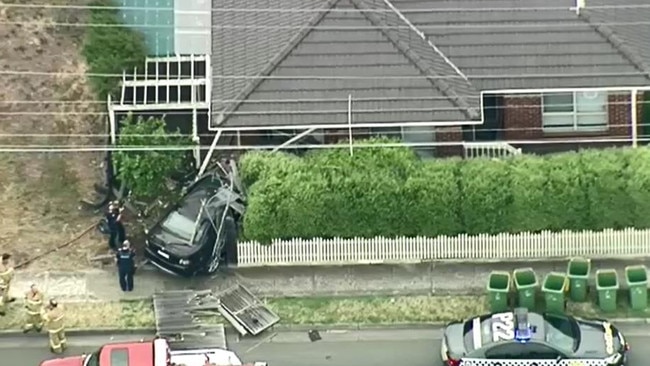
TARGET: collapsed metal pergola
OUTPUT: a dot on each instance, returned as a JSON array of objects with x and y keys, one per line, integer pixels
[{"x": 166, "y": 84}]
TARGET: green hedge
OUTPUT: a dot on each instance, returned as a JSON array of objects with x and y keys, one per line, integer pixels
[
  {"x": 110, "y": 48},
  {"x": 389, "y": 192}
]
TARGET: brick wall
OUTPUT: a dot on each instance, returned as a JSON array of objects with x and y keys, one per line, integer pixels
[
  {"x": 449, "y": 134},
  {"x": 522, "y": 117},
  {"x": 619, "y": 114}
]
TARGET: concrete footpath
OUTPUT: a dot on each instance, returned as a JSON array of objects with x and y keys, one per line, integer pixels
[{"x": 416, "y": 279}]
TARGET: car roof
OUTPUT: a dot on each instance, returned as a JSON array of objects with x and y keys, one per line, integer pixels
[
  {"x": 126, "y": 354},
  {"x": 490, "y": 329}
]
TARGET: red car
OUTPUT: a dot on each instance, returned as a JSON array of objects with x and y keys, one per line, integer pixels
[{"x": 150, "y": 353}]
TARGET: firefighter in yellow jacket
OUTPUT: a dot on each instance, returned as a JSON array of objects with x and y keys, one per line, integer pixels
[
  {"x": 3, "y": 306},
  {"x": 33, "y": 306},
  {"x": 53, "y": 320},
  {"x": 6, "y": 276}
]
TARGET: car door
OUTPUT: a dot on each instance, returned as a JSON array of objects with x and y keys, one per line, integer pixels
[
  {"x": 506, "y": 351},
  {"x": 541, "y": 351},
  {"x": 523, "y": 351}
]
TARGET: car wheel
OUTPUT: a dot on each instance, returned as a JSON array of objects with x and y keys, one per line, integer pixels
[
  {"x": 228, "y": 235},
  {"x": 102, "y": 226}
]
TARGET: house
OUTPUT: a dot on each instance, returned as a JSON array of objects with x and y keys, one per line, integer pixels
[{"x": 434, "y": 72}]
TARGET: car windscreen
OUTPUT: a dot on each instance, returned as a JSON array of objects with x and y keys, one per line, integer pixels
[
  {"x": 92, "y": 359},
  {"x": 562, "y": 332},
  {"x": 181, "y": 222},
  {"x": 179, "y": 226}
]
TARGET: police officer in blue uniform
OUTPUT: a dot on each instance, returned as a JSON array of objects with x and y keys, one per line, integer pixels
[
  {"x": 126, "y": 266},
  {"x": 115, "y": 226}
]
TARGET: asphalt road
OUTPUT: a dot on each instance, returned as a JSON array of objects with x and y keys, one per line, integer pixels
[{"x": 342, "y": 348}]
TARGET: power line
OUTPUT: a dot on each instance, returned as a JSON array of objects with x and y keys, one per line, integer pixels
[
  {"x": 297, "y": 100},
  {"x": 106, "y": 148},
  {"x": 261, "y": 101},
  {"x": 268, "y": 132},
  {"x": 342, "y": 110},
  {"x": 480, "y": 27},
  {"x": 344, "y": 77},
  {"x": 334, "y": 10}
]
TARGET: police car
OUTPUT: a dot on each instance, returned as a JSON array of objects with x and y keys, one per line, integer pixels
[{"x": 525, "y": 338}]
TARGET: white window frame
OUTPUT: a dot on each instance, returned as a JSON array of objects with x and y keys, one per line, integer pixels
[{"x": 575, "y": 114}]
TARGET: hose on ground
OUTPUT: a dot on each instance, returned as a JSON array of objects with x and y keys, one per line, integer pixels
[{"x": 59, "y": 247}]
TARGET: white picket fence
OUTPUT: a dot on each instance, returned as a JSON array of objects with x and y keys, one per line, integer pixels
[{"x": 608, "y": 243}]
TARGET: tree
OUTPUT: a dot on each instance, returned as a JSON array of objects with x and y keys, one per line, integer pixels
[
  {"x": 110, "y": 47},
  {"x": 146, "y": 173}
]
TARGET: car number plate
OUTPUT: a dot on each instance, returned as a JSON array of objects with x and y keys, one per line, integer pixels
[{"x": 163, "y": 254}]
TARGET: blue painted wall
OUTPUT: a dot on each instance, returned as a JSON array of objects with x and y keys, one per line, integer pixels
[{"x": 155, "y": 20}]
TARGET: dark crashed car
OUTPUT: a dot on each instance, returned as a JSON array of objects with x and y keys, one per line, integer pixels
[
  {"x": 190, "y": 237},
  {"x": 526, "y": 338}
]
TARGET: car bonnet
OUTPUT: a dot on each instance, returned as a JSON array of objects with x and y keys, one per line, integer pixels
[{"x": 598, "y": 340}]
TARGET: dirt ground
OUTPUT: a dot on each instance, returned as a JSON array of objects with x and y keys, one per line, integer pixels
[{"x": 40, "y": 192}]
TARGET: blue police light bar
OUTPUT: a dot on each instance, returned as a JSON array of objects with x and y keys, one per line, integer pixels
[
  {"x": 523, "y": 335},
  {"x": 523, "y": 331}
]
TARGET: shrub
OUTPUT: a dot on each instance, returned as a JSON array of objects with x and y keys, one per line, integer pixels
[
  {"x": 434, "y": 200},
  {"x": 486, "y": 196},
  {"x": 638, "y": 186},
  {"x": 146, "y": 172},
  {"x": 604, "y": 180},
  {"x": 389, "y": 192},
  {"x": 566, "y": 202},
  {"x": 528, "y": 178},
  {"x": 258, "y": 165}
]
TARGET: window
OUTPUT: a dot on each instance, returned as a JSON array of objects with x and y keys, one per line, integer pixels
[
  {"x": 388, "y": 132},
  {"x": 120, "y": 357},
  {"x": 420, "y": 135},
  {"x": 411, "y": 135},
  {"x": 578, "y": 111},
  {"x": 520, "y": 351},
  {"x": 92, "y": 359},
  {"x": 562, "y": 332},
  {"x": 511, "y": 351},
  {"x": 179, "y": 225}
]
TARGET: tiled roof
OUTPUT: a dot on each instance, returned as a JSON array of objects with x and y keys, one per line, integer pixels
[
  {"x": 522, "y": 44},
  {"x": 237, "y": 50},
  {"x": 628, "y": 23},
  {"x": 496, "y": 44},
  {"x": 367, "y": 55}
]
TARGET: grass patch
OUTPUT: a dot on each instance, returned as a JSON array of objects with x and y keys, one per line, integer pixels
[
  {"x": 623, "y": 309},
  {"x": 133, "y": 314},
  {"x": 318, "y": 310},
  {"x": 376, "y": 310}
]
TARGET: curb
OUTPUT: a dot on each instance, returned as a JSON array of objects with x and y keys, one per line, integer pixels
[
  {"x": 80, "y": 332},
  {"x": 630, "y": 320},
  {"x": 282, "y": 328},
  {"x": 353, "y": 327},
  {"x": 276, "y": 328}
]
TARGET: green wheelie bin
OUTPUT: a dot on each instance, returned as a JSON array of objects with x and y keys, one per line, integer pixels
[
  {"x": 498, "y": 288},
  {"x": 554, "y": 287},
  {"x": 607, "y": 286},
  {"x": 637, "y": 283},
  {"x": 578, "y": 272},
  {"x": 526, "y": 285}
]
